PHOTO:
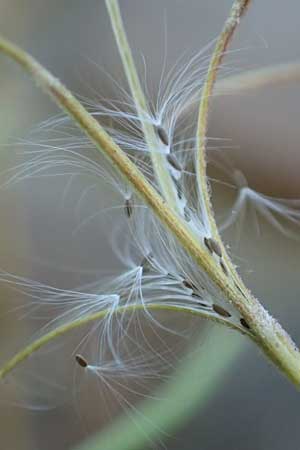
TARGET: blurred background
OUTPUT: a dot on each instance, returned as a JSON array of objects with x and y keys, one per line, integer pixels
[{"x": 252, "y": 405}]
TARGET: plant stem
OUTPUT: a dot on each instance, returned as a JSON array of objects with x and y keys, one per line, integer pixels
[
  {"x": 257, "y": 79},
  {"x": 158, "y": 159},
  {"x": 237, "y": 9},
  {"x": 63, "y": 329}
]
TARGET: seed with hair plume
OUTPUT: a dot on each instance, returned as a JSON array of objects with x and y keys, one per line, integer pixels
[
  {"x": 162, "y": 134},
  {"x": 81, "y": 361},
  {"x": 213, "y": 246},
  {"x": 221, "y": 311},
  {"x": 173, "y": 161},
  {"x": 128, "y": 207}
]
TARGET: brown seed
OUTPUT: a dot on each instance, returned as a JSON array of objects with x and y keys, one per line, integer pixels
[
  {"x": 146, "y": 263},
  {"x": 244, "y": 323},
  {"x": 173, "y": 161},
  {"x": 213, "y": 246},
  {"x": 189, "y": 284},
  {"x": 203, "y": 305},
  {"x": 162, "y": 134},
  {"x": 81, "y": 361},
  {"x": 221, "y": 311},
  {"x": 128, "y": 207},
  {"x": 224, "y": 268}
]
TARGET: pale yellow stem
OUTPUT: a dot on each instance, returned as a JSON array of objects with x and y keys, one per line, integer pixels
[
  {"x": 259, "y": 78},
  {"x": 152, "y": 140}
]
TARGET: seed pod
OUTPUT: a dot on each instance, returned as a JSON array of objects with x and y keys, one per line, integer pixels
[
  {"x": 213, "y": 246},
  {"x": 162, "y": 134},
  {"x": 128, "y": 207},
  {"x": 173, "y": 161},
  {"x": 81, "y": 361},
  {"x": 221, "y": 311}
]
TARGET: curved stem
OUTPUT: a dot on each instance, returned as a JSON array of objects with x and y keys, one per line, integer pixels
[
  {"x": 259, "y": 78},
  {"x": 237, "y": 9},
  {"x": 63, "y": 329}
]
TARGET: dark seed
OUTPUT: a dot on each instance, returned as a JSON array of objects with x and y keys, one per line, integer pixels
[
  {"x": 213, "y": 246},
  {"x": 244, "y": 323},
  {"x": 174, "y": 162},
  {"x": 128, "y": 207},
  {"x": 224, "y": 268},
  {"x": 162, "y": 134},
  {"x": 203, "y": 305},
  {"x": 221, "y": 311},
  {"x": 197, "y": 296},
  {"x": 81, "y": 361},
  {"x": 188, "y": 284},
  {"x": 146, "y": 262}
]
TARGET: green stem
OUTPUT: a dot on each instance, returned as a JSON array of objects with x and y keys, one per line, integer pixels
[
  {"x": 257, "y": 79},
  {"x": 158, "y": 159},
  {"x": 63, "y": 329},
  {"x": 237, "y": 10}
]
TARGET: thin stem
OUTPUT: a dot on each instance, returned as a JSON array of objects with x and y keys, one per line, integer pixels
[
  {"x": 237, "y": 10},
  {"x": 63, "y": 329},
  {"x": 268, "y": 334},
  {"x": 257, "y": 79},
  {"x": 158, "y": 159}
]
